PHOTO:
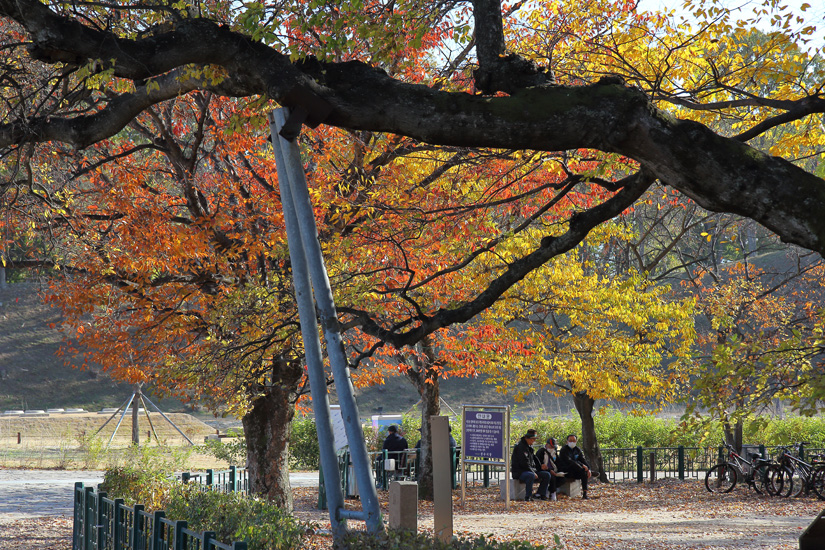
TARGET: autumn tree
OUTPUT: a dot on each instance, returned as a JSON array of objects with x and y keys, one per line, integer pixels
[
  {"x": 760, "y": 340},
  {"x": 598, "y": 80},
  {"x": 582, "y": 331}
]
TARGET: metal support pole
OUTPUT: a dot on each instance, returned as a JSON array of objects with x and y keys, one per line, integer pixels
[
  {"x": 166, "y": 418},
  {"x": 114, "y": 433},
  {"x": 640, "y": 464},
  {"x": 136, "y": 418},
  {"x": 329, "y": 322},
  {"x": 312, "y": 343}
]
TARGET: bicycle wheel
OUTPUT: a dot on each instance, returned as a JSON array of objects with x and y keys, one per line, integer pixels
[
  {"x": 760, "y": 481},
  {"x": 721, "y": 479},
  {"x": 779, "y": 481},
  {"x": 800, "y": 484},
  {"x": 818, "y": 482}
]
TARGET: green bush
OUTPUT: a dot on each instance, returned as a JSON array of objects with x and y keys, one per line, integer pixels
[
  {"x": 233, "y": 516},
  {"x": 304, "y": 453},
  {"x": 614, "y": 429},
  {"x": 407, "y": 540},
  {"x": 232, "y": 450},
  {"x": 145, "y": 477}
]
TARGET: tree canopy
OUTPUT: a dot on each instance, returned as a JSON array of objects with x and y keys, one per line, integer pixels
[{"x": 78, "y": 73}]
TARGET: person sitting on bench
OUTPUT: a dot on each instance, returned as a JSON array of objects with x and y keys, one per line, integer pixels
[
  {"x": 572, "y": 462},
  {"x": 526, "y": 468},
  {"x": 547, "y": 457}
]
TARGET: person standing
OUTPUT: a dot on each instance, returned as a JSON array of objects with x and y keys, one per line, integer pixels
[
  {"x": 525, "y": 467},
  {"x": 396, "y": 447},
  {"x": 572, "y": 462}
]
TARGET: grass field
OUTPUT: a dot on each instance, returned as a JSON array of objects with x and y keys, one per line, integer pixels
[{"x": 70, "y": 440}]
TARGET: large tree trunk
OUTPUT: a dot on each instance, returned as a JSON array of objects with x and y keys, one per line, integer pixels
[
  {"x": 267, "y": 428},
  {"x": 733, "y": 434},
  {"x": 425, "y": 378},
  {"x": 589, "y": 443}
]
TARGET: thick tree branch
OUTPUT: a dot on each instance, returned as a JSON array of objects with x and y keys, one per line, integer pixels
[
  {"x": 720, "y": 174},
  {"x": 580, "y": 225}
]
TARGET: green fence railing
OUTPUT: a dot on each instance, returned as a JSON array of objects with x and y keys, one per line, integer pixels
[
  {"x": 235, "y": 479},
  {"x": 101, "y": 523},
  {"x": 620, "y": 464}
]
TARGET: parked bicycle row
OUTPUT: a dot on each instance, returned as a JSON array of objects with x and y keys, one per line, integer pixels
[{"x": 787, "y": 475}]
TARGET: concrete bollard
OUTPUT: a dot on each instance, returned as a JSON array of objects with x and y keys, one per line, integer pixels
[{"x": 404, "y": 505}]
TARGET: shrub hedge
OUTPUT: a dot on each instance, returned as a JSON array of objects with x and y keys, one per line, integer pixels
[
  {"x": 234, "y": 516},
  {"x": 614, "y": 429}
]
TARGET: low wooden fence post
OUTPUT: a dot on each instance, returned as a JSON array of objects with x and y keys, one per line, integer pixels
[
  {"x": 118, "y": 527},
  {"x": 77, "y": 522},
  {"x": 89, "y": 514},
  {"x": 157, "y": 528},
  {"x": 138, "y": 532},
  {"x": 179, "y": 539}
]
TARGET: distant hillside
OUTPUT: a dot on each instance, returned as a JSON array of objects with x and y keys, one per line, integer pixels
[
  {"x": 397, "y": 395},
  {"x": 32, "y": 376}
]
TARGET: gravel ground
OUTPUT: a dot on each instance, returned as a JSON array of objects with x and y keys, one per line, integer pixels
[
  {"x": 36, "y": 508},
  {"x": 36, "y": 514},
  {"x": 669, "y": 515}
]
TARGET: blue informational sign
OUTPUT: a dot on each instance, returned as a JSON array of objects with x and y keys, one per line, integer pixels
[{"x": 484, "y": 435}]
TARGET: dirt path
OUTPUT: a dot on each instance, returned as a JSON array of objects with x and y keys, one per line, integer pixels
[
  {"x": 35, "y": 514},
  {"x": 668, "y": 516},
  {"x": 36, "y": 507}
]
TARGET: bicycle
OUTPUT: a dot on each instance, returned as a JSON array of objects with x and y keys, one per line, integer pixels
[
  {"x": 793, "y": 476},
  {"x": 723, "y": 477}
]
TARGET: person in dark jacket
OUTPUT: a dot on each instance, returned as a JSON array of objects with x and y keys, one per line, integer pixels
[
  {"x": 526, "y": 468},
  {"x": 572, "y": 462},
  {"x": 396, "y": 446},
  {"x": 547, "y": 457}
]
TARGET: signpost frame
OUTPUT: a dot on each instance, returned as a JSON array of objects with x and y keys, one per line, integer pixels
[{"x": 487, "y": 424}]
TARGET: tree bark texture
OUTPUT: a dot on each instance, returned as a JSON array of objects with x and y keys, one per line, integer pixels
[
  {"x": 589, "y": 442},
  {"x": 733, "y": 434},
  {"x": 267, "y": 429},
  {"x": 425, "y": 379}
]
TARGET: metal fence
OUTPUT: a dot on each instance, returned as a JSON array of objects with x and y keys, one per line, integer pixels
[
  {"x": 235, "y": 479},
  {"x": 621, "y": 464},
  {"x": 101, "y": 523}
]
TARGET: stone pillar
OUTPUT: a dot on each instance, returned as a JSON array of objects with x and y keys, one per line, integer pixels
[
  {"x": 404, "y": 505},
  {"x": 442, "y": 482}
]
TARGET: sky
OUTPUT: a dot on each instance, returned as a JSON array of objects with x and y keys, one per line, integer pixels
[{"x": 813, "y": 15}]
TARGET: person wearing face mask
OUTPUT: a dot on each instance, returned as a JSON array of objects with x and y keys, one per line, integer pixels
[
  {"x": 547, "y": 457},
  {"x": 572, "y": 462}
]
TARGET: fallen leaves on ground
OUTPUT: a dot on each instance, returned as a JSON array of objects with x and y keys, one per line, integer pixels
[
  {"x": 48, "y": 533},
  {"x": 668, "y": 515}
]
